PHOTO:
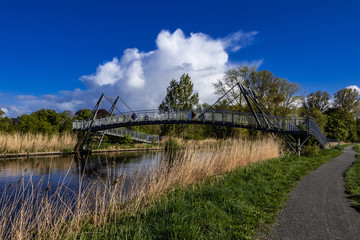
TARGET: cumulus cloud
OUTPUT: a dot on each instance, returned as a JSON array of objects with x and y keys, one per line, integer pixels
[
  {"x": 141, "y": 78},
  {"x": 108, "y": 73}
]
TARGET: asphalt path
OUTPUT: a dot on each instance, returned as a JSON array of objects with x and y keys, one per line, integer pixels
[{"x": 318, "y": 207}]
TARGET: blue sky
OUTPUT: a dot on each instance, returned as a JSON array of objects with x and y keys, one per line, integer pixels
[{"x": 64, "y": 54}]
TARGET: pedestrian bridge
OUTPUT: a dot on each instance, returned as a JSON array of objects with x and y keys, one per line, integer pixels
[
  {"x": 296, "y": 131},
  {"x": 296, "y": 126}
]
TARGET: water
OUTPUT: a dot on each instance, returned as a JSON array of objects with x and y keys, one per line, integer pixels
[{"x": 54, "y": 171}]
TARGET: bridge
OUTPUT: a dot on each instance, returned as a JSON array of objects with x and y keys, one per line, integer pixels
[{"x": 296, "y": 131}]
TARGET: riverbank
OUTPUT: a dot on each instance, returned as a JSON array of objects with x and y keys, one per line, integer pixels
[{"x": 230, "y": 206}]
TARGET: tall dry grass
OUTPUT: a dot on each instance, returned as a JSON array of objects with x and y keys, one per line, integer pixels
[
  {"x": 28, "y": 142},
  {"x": 30, "y": 211}
]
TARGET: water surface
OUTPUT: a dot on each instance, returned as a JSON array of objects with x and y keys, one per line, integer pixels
[{"x": 66, "y": 170}]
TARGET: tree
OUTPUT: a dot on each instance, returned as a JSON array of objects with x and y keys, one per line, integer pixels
[
  {"x": 5, "y": 123},
  {"x": 318, "y": 99},
  {"x": 83, "y": 114},
  {"x": 65, "y": 121},
  {"x": 336, "y": 127},
  {"x": 342, "y": 122},
  {"x": 347, "y": 100},
  {"x": 232, "y": 77},
  {"x": 102, "y": 113},
  {"x": 180, "y": 96},
  {"x": 45, "y": 121},
  {"x": 279, "y": 95},
  {"x": 316, "y": 114}
]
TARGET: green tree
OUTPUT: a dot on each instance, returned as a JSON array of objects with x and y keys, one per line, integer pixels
[
  {"x": 347, "y": 100},
  {"x": 318, "y": 99},
  {"x": 342, "y": 123},
  {"x": 314, "y": 105},
  {"x": 336, "y": 127},
  {"x": 180, "y": 96},
  {"x": 316, "y": 114},
  {"x": 65, "y": 121},
  {"x": 49, "y": 121},
  {"x": 44, "y": 121},
  {"x": 83, "y": 114},
  {"x": 5, "y": 123},
  {"x": 279, "y": 95},
  {"x": 27, "y": 124}
]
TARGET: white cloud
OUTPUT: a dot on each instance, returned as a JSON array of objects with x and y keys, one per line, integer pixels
[
  {"x": 15, "y": 110},
  {"x": 141, "y": 78},
  {"x": 354, "y": 87},
  {"x": 5, "y": 110},
  {"x": 25, "y": 97},
  {"x": 238, "y": 40},
  {"x": 108, "y": 73}
]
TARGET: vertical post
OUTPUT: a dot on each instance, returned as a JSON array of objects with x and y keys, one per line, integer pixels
[
  {"x": 96, "y": 109},
  {"x": 233, "y": 118},
  {"x": 97, "y": 106},
  {"x": 299, "y": 146},
  {"x": 248, "y": 102},
  {"x": 113, "y": 105}
]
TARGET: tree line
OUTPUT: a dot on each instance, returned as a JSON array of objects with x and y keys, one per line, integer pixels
[{"x": 338, "y": 117}]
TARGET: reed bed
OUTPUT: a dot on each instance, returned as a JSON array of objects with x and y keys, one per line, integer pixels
[
  {"x": 29, "y": 211},
  {"x": 28, "y": 142}
]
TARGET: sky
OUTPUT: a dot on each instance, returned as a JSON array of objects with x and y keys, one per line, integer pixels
[{"x": 64, "y": 54}]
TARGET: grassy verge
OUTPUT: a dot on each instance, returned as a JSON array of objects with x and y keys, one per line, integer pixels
[
  {"x": 230, "y": 206},
  {"x": 352, "y": 179}
]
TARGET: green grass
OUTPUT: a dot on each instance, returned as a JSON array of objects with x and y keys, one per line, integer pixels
[
  {"x": 231, "y": 206},
  {"x": 352, "y": 179}
]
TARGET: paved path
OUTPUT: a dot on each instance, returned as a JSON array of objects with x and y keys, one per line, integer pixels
[{"x": 318, "y": 207}]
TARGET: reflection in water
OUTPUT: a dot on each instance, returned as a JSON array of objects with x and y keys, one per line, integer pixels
[{"x": 56, "y": 171}]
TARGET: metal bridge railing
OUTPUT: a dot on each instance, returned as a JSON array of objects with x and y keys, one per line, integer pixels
[
  {"x": 315, "y": 130},
  {"x": 138, "y": 136}
]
